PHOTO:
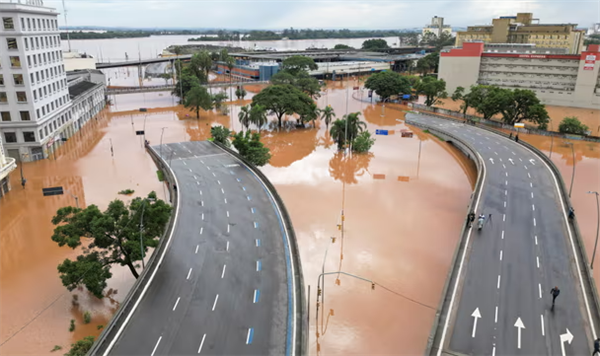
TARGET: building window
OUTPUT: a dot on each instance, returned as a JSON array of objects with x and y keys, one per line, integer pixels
[
  {"x": 10, "y": 137},
  {"x": 3, "y": 97},
  {"x": 12, "y": 43},
  {"x": 46, "y": 131},
  {"x": 8, "y": 23},
  {"x": 43, "y": 110},
  {"x": 26, "y": 43},
  {"x": 44, "y": 56},
  {"x": 18, "y": 78},
  {"x": 5, "y": 115},
  {"x": 40, "y": 132},
  {"x": 35, "y": 95},
  {"x": 25, "y": 116},
  {"x": 22, "y": 24},
  {"x": 2, "y": 79},
  {"x": 21, "y": 97},
  {"x": 37, "y": 113},
  {"x": 37, "y": 42},
  {"x": 47, "y": 41},
  {"x": 15, "y": 61},
  {"x": 37, "y": 75},
  {"x": 29, "y": 24},
  {"x": 29, "y": 136},
  {"x": 39, "y": 24},
  {"x": 29, "y": 61}
]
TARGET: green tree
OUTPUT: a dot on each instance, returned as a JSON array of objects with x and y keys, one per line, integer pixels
[
  {"x": 363, "y": 142},
  {"x": 375, "y": 44},
  {"x": 338, "y": 133},
  {"x": 429, "y": 63},
  {"x": 240, "y": 92},
  {"x": 572, "y": 125},
  {"x": 310, "y": 113},
  {"x": 518, "y": 105},
  {"x": 355, "y": 125},
  {"x": 342, "y": 46},
  {"x": 196, "y": 67},
  {"x": 220, "y": 134},
  {"x": 223, "y": 55},
  {"x": 250, "y": 147},
  {"x": 218, "y": 99},
  {"x": 198, "y": 98},
  {"x": 178, "y": 50},
  {"x": 166, "y": 77},
  {"x": 308, "y": 85},
  {"x": 204, "y": 62},
  {"x": 296, "y": 64},
  {"x": 283, "y": 77},
  {"x": 388, "y": 83},
  {"x": 258, "y": 115},
  {"x": 347, "y": 129},
  {"x": 115, "y": 239},
  {"x": 244, "y": 116},
  {"x": 327, "y": 115},
  {"x": 81, "y": 347},
  {"x": 185, "y": 83},
  {"x": 433, "y": 89},
  {"x": 485, "y": 100},
  {"x": 282, "y": 99},
  {"x": 459, "y": 94}
]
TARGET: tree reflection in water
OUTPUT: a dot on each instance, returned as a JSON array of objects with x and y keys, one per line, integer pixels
[{"x": 346, "y": 168}]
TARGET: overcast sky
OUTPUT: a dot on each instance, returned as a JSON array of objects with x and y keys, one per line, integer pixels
[{"x": 353, "y": 14}]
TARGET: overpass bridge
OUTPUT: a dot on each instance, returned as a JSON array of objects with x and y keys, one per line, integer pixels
[{"x": 156, "y": 88}]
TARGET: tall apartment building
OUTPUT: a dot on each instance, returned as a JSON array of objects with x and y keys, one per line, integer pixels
[
  {"x": 36, "y": 107},
  {"x": 437, "y": 27},
  {"x": 557, "y": 79},
  {"x": 522, "y": 29}
]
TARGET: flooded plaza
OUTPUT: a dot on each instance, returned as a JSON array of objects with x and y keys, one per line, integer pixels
[{"x": 404, "y": 204}]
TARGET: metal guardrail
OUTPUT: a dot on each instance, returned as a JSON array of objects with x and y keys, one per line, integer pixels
[
  {"x": 109, "y": 331},
  {"x": 302, "y": 320},
  {"x": 138, "y": 89},
  {"x": 583, "y": 265},
  {"x": 443, "y": 306}
]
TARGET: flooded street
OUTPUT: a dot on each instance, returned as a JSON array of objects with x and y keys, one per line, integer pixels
[{"x": 388, "y": 197}]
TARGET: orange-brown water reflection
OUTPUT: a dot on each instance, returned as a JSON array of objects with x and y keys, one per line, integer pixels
[{"x": 388, "y": 195}]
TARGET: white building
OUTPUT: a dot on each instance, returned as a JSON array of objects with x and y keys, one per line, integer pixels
[
  {"x": 7, "y": 165},
  {"x": 437, "y": 27},
  {"x": 36, "y": 108}
]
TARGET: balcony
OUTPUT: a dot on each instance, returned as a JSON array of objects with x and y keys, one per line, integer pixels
[{"x": 8, "y": 167}]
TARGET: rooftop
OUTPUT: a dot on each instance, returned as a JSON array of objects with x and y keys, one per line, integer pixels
[{"x": 80, "y": 88}]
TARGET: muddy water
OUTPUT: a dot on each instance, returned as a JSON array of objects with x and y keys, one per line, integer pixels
[{"x": 386, "y": 196}]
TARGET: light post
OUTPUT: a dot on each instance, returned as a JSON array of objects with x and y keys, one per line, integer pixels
[
  {"x": 142, "y": 228},
  {"x": 597, "y": 227},
  {"x": 573, "y": 175},
  {"x": 551, "y": 139},
  {"x": 112, "y": 153},
  {"x": 161, "y": 137},
  {"x": 383, "y": 106}
]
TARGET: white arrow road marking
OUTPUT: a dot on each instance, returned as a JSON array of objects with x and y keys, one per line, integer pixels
[
  {"x": 476, "y": 315},
  {"x": 511, "y": 161},
  {"x": 532, "y": 161},
  {"x": 519, "y": 325},
  {"x": 568, "y": 337},
  {"x": 491, "y": 160}
]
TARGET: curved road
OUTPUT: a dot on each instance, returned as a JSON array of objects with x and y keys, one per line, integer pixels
[
  {"x": 223, "y": 286},
  {"x": 523, "y": 251}
]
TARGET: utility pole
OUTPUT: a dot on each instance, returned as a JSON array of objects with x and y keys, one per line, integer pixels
[
  {"x": 67, "y": 25},
  {"x": 597, "y": 226},
  {"x": 573, "y": 175},
  {"x": 112, "y": 153},
  {"x": 161, "y": 137}
]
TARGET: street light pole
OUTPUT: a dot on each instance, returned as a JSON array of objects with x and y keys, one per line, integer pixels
[
  {"x": 551, "y": 139},
  {"x": 573, "y": 175},
  {"x": 383, "y": 106},
  {"x": 597, "y": 227},
  {"x": 161, "y": 137}
]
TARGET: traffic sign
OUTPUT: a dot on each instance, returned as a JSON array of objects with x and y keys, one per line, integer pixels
[
  {"x": 52, "y": 191},
  {"x": 381, "y": 132},
  {"x": 139, "y": 133}
]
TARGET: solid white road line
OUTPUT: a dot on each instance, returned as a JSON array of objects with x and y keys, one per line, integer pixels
[
  {"x": 537, "y": 259},
  {"x": 223, "y": 273},
  {"x": 201, "y": 343},
  {"x": 498, "y": 285},
  {"x": 540, "y": 290},
  {"x": 535, "y": 239},
  {"x": 156, "y": 346},
  {"x": 215, "y": 303},
  {"x": 177, "y": 302},
  {"x": 494, "y": 351},
  {"x": 496, "y": 315},
  {"x": 189, "y": 274},
  {"x": 502, "y": 234},
  {"x": 197, "y": 246},
  {"x": 500, "y": 255},
  {"x": 542, "y": 320}
]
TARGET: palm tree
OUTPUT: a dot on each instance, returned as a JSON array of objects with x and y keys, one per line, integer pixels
[
  {"x": 230, "y": 64},
  {"x": 244, "y": 116},
  {"x": 258, "y": 115},
  {"x": 327, "y": 115},
  {"x": 355, "y": 125},
  {"x": 338, "y": 133}
]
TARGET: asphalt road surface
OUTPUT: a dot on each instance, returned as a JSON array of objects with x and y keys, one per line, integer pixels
[
  {"x": 223, "y": 286},
  {"x": 503, "y": 303}
]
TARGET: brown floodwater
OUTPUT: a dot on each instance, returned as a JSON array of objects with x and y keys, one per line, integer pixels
[{"x": 386, "y": 196}]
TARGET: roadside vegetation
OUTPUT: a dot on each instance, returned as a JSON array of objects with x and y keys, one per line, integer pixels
[
  {"x": 108, "y": 238},
  {"x": 81, "y": 347},
  {"x": 247, "y": 144},
  {"x": 572, "y": 125}
]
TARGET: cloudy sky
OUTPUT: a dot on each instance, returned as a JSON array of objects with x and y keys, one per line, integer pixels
[{"x": 353, "y": 14}]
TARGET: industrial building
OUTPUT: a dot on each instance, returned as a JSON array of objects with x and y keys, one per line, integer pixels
[
  {"x": 557, "y": 79},
  {"x": 39, "y": 107},
  {"x": 437, "y": 27},
  {"x": 522, "y": 29}
]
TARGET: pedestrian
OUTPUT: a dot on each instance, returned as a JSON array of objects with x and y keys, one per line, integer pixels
[
  {"x": 517, "y": 138},
  {"x": 510, "y": 136},
  {"x": 470, "y": 219},
  {"x": 555, "y": 292},
  {"x": 596, "y": 347},
  {"x": 490, "y": 217}
]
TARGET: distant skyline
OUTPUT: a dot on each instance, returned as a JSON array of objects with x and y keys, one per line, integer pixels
[{"x": 279, "y": 14}]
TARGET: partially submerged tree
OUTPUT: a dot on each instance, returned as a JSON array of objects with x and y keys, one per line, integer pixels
[
  {"x": 258, "y": 115},
  {"x": 388, "y": 83},
  {"x": 198, "y": 98},
  {"x": 114, "y": 238},
  {"x": 433, "y": 89},
  {"x": 240, "y": 92},
  {"x": 518, "y": 105},
  {"x": 221, "y": 135},
  {"x": 572, "y": 125},
  {"x": 81, "y": 347},
  {"x": 297, "y": 64},
  {"x": 244, "y": 116},
  {"x": 375, "y": 44},
  {"x": 327, "y": 115},
  {"x": 282, "y": 99},
  {"x": 249, "y": 146}
]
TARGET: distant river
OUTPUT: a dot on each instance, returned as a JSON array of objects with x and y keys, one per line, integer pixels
[{"x": 151, "y": 47}]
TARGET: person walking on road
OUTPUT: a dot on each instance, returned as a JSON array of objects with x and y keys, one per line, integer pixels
[
  {"x": 470, "y": 219},
  {"x": 596, "y": 347},
  {"x": 510, "y": 136},
  {"x": 517, "y": 138},
  {"x": 555, "y": 292}
]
